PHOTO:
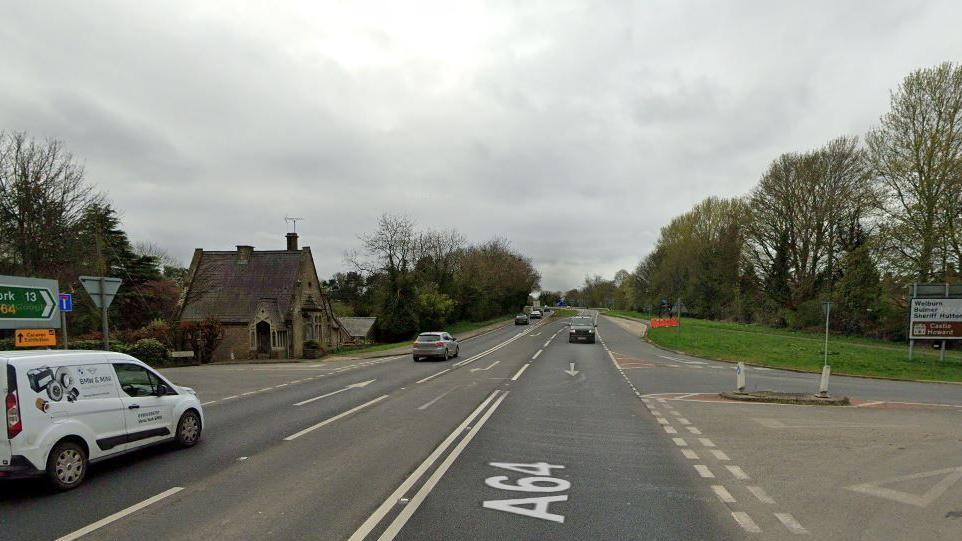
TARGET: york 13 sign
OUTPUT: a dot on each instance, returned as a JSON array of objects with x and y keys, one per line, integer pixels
[
  {"x": 936, "y": 319},
  {"x": 28, "y": 303}
]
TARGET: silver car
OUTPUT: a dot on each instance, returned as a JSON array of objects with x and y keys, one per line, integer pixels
[{"x": 439, "y": 345}]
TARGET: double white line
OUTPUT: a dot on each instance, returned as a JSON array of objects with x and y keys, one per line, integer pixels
[{"x": 412, "y": 506}]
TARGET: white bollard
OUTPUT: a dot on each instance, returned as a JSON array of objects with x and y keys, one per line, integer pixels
[
  {"x": 823, "y": 383},
  {"x": 740, "y": 377}
]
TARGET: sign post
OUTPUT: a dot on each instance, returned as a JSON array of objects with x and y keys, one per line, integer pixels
[
  {"x": 102, "y": 290},
  {"x": 826, "y": 369},
  {"x": 66, "y": 305},
  {"x": 28, "y": 303}
]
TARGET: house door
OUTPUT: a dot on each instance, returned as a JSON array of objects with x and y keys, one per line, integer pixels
[{"x": 264, "y": 337}]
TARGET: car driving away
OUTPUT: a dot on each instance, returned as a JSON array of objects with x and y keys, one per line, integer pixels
[
  {"x": 536, "y": 314},
  {"x": 582, "y": 329},
  {"x": 65, "y": 410},
  {"x": 521, "y": 319},
  {"x": 435, "y": 345}
]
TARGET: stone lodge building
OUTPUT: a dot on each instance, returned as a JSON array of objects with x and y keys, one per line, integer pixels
[{"x": 269, "y": 301}]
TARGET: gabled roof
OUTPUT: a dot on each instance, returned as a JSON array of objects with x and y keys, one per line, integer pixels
[
  {"x": 357, "y": 327},
  {"x": 228, "y": 288}
]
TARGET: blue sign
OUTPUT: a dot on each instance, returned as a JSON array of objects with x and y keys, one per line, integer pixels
[{"x": 66, "y": 302}]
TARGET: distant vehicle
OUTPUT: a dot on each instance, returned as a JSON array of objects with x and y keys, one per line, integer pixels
[
  {"x": 66, "y": 409},
  {"x": 521, "y": 319},
  {"x": 582, "y": 329},
  {"x": 536, "y": 314},
  {"x": 437, "y": 344}
]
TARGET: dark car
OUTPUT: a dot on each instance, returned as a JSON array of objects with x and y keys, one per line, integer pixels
[
  {"x": 582, "y": 329},
  {"x": 521, "y": 319}
]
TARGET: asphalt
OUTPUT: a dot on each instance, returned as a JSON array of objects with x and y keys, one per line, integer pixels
[{"x": 437, "y": 450}]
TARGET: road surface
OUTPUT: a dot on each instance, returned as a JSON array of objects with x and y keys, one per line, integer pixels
[{"x": 524, "y": 436}]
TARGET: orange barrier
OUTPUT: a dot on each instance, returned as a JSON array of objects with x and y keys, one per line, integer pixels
[{"x": 663, "y": 322}]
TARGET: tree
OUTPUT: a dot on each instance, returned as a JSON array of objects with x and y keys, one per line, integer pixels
[{"x": 916, "y": 160}]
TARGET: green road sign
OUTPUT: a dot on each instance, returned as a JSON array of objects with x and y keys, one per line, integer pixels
[{"x": 28, "y": 302}]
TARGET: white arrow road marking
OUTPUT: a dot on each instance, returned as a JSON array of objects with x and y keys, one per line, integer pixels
[
  {"x": 950, "y": 476},
  {"x": 348, "y": 388},
  {"x": 571, "y": 370},
  {"x": 488, "y": 368}
]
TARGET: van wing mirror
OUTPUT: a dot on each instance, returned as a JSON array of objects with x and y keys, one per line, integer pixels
[{"x": 163, "y": 389}]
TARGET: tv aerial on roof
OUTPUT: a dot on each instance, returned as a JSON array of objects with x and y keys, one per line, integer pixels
[{"x": 293, "y": 221}]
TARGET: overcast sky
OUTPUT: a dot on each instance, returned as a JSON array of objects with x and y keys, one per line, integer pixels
[{"x": 574, "y": 129}]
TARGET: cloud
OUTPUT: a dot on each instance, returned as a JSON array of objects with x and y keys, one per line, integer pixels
[{"x": 574, "y": 129}]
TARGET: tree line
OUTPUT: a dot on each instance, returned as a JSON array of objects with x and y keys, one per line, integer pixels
[
  {"x": 55, "y": 224},
  {"x": 414, "y": 280},
  {"x": 852, "y": 221}
]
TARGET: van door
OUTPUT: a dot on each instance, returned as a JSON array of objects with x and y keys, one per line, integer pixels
[
  {"x": 86, "y": 394},
  {"x": 148, "y": 415}
]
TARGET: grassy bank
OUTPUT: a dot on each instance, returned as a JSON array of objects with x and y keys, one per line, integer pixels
[
  {"x": 455, "y": 329},
  {"x": 780, "y": 348},
  {"x": 564, "y": 312}
]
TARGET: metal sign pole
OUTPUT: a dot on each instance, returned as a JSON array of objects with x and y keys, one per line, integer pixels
[
  {"x": 63, "y": 327},
  {"x": 103, "y": 308},
  {"x": 828, "y": 313}
]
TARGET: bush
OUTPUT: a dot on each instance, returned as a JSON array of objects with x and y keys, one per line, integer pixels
[
  {"x": 115, "y": 345},
  {"x": 157, "y": 329},
  {"x": 202, "y": 337},
  {"x": 312, "y": 349},
  {"x": 7, "y": 344},
  {"x": 150, "y": 351}
]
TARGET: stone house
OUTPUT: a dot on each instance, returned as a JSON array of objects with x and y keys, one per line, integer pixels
[{"x": 269, "y": 302}]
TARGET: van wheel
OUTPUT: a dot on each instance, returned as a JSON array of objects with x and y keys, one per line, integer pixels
[
  {"x": 188, "y": 429},
  {"x": 66, "y": 465}
]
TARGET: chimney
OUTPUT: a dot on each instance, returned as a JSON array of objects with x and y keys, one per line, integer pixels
[
  {"x": 292, "y": 242},
  {"x": 244, "y": 252}
]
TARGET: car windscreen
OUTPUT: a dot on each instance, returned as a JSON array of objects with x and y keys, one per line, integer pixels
[{"x": 429, "y": 337}]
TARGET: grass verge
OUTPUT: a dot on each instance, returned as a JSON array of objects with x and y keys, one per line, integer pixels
[{"x": 780, "y": 348}]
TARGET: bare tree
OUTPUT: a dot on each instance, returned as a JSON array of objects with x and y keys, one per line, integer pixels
[
  {"x": 160, "y": 254},
  {"x": 43, "y": 195},
  {"x": 916, "y": 159}
]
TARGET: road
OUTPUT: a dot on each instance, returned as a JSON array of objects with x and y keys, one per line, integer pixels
[{"x": 524, "y": 436}]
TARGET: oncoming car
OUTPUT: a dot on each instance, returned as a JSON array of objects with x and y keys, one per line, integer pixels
[
  {"x": 582, "y": 329},
  {"x": 67, "y": 409},
  {"x": 521, "y": 319}
]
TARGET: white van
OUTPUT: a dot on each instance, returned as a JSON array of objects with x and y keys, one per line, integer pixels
[{"x": 65, "y": 409}]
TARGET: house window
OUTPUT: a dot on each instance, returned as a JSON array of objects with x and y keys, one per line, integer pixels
[{"x": 279, "y": 339}]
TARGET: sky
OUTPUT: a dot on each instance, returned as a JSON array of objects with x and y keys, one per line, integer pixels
[{"x": 574, "y": 129}]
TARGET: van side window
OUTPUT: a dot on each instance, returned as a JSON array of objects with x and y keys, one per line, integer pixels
[{"x": 135, "y": 380}]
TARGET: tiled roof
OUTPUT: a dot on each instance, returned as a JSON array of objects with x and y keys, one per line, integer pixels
[
  {"x": 357, "y": 327},
  {"x": 229, "y": 290}
]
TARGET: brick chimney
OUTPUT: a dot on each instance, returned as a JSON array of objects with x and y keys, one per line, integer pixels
[
  {"x": 292, "y": 242},
  {"x": 244, "y": 253}
]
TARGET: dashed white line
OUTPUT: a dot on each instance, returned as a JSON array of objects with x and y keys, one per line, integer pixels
[
  {"x": 723, "y": 494},
  {"x": 746, "y": 522},
  {"x": 760, "y": 493},
  {"x": 120, "y": 514},
  {"x": 432, "y": 376},
  {"x": 680, "y": 442},
  {"x": 661, "y": 420},
  {"x": 670, "y": 429},
  {"x": 684, "y": 421},
  {"x": 706, "y": 442},
  {"x": 537, "y": 354},
  {"x": 789, "y": 521},
  {"x": 206, "y": 403},
  {"x": 689, "y": 454},
  {"x": 335, "y": 418},
  {"x": 229, "y": 397},
  {"x": 738, "y": 472},
  {"x": 704, "y": 471},
  {"x": 693, "y": 430},
  {"x": 720, "y": 455},
  {"x": 518, "y": 374}
]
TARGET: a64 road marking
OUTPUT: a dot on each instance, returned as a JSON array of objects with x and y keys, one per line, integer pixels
[{"x": 538, "y": 480}]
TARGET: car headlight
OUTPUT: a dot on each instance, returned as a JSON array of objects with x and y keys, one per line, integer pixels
[
  {"x": 591, "y": 331},
  {"x": 572, "y": 331}
]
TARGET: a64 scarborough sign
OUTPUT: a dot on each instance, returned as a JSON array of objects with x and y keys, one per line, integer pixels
[{"x": 936, "y": 319}]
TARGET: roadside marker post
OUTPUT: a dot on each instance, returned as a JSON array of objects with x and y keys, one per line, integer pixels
[
  {"x": 823, "y": 382},
  {"x": 740, "y": 377},
  {"x": 826, "y": 369}
]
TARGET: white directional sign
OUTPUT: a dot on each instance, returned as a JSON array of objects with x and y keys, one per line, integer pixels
[{"x": 93, "y": 286}]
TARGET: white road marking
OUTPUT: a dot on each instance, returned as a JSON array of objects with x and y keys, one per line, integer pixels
[
  {"x": 518, "y": 374},
  {"x": 738, "y": 472},
  {"x": 693, "y": 430},
  {"x": 395, "y": 527},
  {"x": 661, "y": 420},
  {"x": 431, "y": 403},
  {"x": 689, "y": 454},
  {"x": 873, "y": 403},
  {"x": 670, "y": 429},
  {"x": 680, "y": 442},
  {"x": 416, "y": 475},
  {"x": 704, "y": 471},
  {"x": 489, "y": 367},
  {"x": 548, "y": 343},
  {"x": 119, "y": 515},
  {"x": 789, "y": 521},
  {"x": 684, "y": 421},
  {"x": 760, "y": 493},
  {"x": 720, "y": 455},
  {"x": 229, "y": 397},
  {"x": 706, "y": 442},
  {"x": 332, "y": 393},
  {"x": 723, "y": 494},
  {"x": 656, "y": 413},
  {"x": 432, "y": 376},
  {"x": 949, "y": 477},
  {"x": 745, "y": 522},
  {"x": 335, "y": 418},
  {"x": 676, "y": 414},
  {"x": 536, "y": 354},
  {"x": 206, "y": 403}
]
